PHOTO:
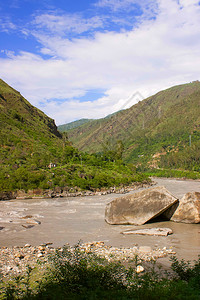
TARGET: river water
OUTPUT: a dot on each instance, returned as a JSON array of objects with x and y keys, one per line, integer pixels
[{"x": 69, "y": 220}]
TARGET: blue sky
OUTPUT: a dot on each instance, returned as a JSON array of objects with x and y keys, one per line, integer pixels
[{"x": 85, "y": 59}]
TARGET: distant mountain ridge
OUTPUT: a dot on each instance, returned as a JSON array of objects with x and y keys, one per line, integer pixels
[
  {"x": 163, "y": 120},
  {"x": 72, "y": 125},
  {"x": 80, "y": 122}
]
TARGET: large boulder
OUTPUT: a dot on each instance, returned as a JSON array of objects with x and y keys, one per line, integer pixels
[
  {"x": 188, "y": 210},
  {"x": 140, "y": 207}
]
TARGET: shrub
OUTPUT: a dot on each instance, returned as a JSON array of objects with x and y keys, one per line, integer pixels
[{"x": 75, "y": 274}]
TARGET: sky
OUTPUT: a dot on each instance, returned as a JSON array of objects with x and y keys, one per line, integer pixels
[{"x": 78, "y": 59}]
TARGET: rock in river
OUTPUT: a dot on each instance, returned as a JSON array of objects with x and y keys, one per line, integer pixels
[
  {"x": 150, "y": 231},
  {"x": 140, "y": 207},
  {"x": 188, "y": 210}
]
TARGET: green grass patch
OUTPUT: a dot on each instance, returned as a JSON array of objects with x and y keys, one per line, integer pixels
[{"x": 185, "y": 174}]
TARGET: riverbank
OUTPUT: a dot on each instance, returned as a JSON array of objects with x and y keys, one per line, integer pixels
[
  {"x": 14, "y": 260},
  {"x": 78, "y": 273},
  {"x": 59, "y": 192}
]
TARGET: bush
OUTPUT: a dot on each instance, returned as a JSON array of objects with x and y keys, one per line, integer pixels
[
  {"x": 186, "y": 272},
  {"x": 80, "y": 275}
]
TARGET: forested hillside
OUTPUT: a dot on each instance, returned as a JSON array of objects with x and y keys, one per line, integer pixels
[
  {"x": 30, "y": 146},
  {"x": 27, "y": 134},
  {"x": 162, "y": 130}
]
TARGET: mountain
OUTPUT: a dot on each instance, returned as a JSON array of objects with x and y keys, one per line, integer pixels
[
  {"x": 155, "y": 126},
  {"x": 72, "y": 125},
  {"x": 31, "y": 145},
  {"x": 78, "y": 123},
  {"x": 25, "y": 130}
]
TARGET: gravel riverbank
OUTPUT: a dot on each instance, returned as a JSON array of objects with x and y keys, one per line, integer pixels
[{"x": 14, "y": 260}]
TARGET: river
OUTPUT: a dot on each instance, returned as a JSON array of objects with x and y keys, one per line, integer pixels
[{"x": 69, "y": 220}]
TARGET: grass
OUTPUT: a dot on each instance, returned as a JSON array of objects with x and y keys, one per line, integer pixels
[
  {"x": 170, "y": 173},
  {"x": 80, "y": 275}
]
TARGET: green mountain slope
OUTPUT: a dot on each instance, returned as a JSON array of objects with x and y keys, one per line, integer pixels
[
  {"x": 158, "y": 124},
  {"x": 72, "y": 125},
  {"x": 26, "y": 132},
  {"x": 30, "y": 146},
  {"x": 78, "y": 123}
]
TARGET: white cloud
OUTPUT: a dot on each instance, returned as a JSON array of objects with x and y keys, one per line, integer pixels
[
  {"x": 6, "y": 25},
  {"x": 116, "y": 4},
  {"x": 158, "y": 53},
  {"x": 187, "y": 3},
  {"x": 65, "y": 23},
  {"x": 124, "y": 4}
]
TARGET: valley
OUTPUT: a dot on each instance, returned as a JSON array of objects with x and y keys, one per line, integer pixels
[{"x": 162, "y": 131}]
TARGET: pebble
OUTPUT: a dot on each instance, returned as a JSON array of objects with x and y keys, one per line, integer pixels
[
  {"x": 139, "y": 269},
  {"x": 14, "y": 260},
  {"x": 145, "y": 249},
  {"x": 33, "y": 222},
  {"x": 41, "y": 248},
  {"x": 40, "y": 255},
  {"x": 27, "y": 226}
]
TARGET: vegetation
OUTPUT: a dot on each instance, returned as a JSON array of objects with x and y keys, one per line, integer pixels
[
  {"x": 159, "y": 135},
  {"x": 80, "y": 275},
  {"x": 160, "y": 131},
  {"x": 86, "y": 173},
  {"x": 72, "y": 125},
  {"x": 185, "y": 174},
  {"x": 30, "y": 144}
]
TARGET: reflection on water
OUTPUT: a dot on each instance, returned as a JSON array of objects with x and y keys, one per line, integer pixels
[{"x": 69, "y": 220}]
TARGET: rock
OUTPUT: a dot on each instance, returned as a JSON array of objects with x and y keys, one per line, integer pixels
[
  {"x": 170, "y": 211},
  {"x": 21, "y": 194},
  {"x": 140, "y": 207},
  {"x": 27, "y": 217},
  {"x": 7, "y": 195},
  {"x": 40, "y": 255},
  {"x": 139, "y": 269},
  {"x": 33, "y": 222},
  {"x": 150, "y": 231},
  {"x": 41, "y": 248},
  {"x": 188, "y": 210},
  {"x": 27, "y": 226},
  {"x": 19, "y": 255},
  {"x": 145, "y": 249},
  {"x": 46, "y": 244},
  {"x": 14, "y": 260}
]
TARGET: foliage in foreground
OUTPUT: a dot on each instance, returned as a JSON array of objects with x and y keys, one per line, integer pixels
[{"x": 81, "y": 275}]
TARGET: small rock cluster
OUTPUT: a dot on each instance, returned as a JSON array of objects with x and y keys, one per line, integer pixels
[
  {"x": 14, "y": 260},
  {"x": 145, "y": 253}
]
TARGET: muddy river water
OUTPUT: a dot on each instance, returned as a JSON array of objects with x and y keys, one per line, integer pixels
[{"x": 69, "y": 220}]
